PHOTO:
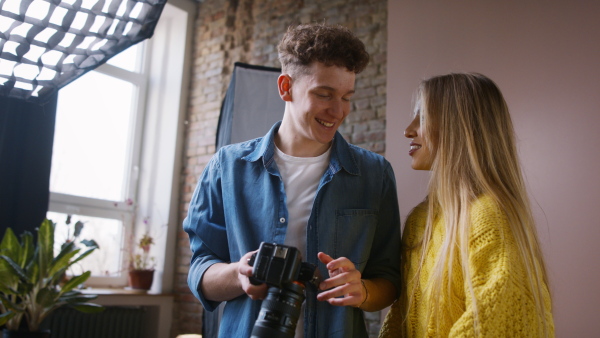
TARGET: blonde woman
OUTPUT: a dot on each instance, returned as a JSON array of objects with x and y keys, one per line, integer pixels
[{"x": 472, "y": 264}]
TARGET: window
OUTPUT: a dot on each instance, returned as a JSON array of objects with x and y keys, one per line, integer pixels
[
  {"x": 94, "y": 135},
  {"x": 116, "y": 154},
  {"x": 96, "y": 158}
]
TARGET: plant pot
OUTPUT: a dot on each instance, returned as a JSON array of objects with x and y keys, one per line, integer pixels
[
  {"x": 141, "y": 279},
  {"x": 25, "y": 334}
]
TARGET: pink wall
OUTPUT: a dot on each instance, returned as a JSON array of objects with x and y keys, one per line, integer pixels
[{"x": 545, "y": 57}]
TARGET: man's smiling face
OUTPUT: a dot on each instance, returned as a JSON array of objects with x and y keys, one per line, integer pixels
[{"x": 319, "y": 101}]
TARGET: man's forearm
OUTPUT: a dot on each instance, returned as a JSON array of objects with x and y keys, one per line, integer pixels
[
  {"x": 380, "y": 294},
  {"x": 221, "y": 283}
]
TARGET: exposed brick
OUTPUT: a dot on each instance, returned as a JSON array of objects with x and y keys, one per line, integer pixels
[
  {"x": 377, "y": 147},
  {"x": 365, "y": 114},
  {"x": 377, "y": 101},
  {"x": 365, "y": 92},
  {"x": 187, "y": 298},
  {"x": 378, "y": 125},
  {"x": 361, "y": 104},
  {"x": 375, "y": 136},
  {"x": 360, "y": 127}
]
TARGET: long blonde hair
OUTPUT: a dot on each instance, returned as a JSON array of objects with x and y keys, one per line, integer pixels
[{"x": 465, "y": 119}]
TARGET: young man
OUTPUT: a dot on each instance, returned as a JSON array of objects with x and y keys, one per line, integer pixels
[{"x": 301, "y": 185}]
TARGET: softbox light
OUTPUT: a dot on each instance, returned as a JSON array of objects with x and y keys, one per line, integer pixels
[{"x": 251, "y": 105}]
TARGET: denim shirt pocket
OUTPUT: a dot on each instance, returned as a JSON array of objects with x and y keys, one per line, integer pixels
[{"x": 354, "y": 232}]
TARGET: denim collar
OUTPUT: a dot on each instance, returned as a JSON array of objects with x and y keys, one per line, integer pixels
[{"x": 341, "y": 156}]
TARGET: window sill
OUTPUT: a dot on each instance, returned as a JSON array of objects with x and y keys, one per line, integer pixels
[{"x": 122, "y": 292}]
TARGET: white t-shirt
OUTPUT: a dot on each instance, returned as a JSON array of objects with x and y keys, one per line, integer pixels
[{"x": 301, "y": 177}]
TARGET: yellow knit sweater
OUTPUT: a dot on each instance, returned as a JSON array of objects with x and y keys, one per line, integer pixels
[{"x": 504, "y": 298}]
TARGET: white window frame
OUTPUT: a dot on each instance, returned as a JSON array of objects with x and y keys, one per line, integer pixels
[{"x": 156, "y": 161}]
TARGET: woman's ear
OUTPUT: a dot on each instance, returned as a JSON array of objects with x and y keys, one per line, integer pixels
[{"x": 284, "y": 83}]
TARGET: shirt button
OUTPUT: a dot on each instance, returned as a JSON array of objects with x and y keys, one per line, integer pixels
[{"x": 282, "y": 220}]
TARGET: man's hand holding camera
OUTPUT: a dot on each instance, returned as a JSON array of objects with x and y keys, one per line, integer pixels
[
  {"x": 244, "y": 273},
  {"x": 344, "y": 280},
  {"x": 342, "y": 288}
]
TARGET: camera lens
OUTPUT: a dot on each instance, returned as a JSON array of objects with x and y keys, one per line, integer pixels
[{"x": 279, "y": 312}]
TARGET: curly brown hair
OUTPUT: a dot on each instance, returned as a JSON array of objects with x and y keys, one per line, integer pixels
[{"x": 331, "y": 45}]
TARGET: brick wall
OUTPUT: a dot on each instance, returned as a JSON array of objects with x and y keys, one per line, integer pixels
[{"x": 248, "y": 31}]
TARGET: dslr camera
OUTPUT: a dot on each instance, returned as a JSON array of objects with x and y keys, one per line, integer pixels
[{"x": 282, "y": 269}]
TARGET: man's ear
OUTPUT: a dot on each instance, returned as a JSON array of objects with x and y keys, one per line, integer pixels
[{"x": 284, "y": 83}]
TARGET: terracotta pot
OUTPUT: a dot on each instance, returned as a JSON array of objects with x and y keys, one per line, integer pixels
[
  {"x": 141, "y": 279},
  {"x": 25, "y": 334}
]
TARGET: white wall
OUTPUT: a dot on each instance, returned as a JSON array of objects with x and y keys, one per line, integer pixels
[
  {"x": 545, "y": 57},
  {"x": 158, "y": 194}
]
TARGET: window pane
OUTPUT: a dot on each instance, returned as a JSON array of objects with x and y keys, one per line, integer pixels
[
  {"x": 104, "y": 262},
  {"x": 92, "y": 137},
  {"x": 127, "y": 59}
]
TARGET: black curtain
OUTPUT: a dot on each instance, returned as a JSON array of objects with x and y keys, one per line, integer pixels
[{"x": 26, "y": 138}]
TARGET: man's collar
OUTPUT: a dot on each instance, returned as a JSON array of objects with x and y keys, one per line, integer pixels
[
  {"x": 341, "y": 154},
  {"x": 266, "y": 146}
]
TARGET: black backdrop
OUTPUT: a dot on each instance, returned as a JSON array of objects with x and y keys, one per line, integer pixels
[{"x": 26, "y": 137}]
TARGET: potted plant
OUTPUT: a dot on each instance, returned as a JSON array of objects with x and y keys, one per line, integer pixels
[
  {"x": 30, "y": 277},
  {"x": 72, "y": 235},
  {"x": 141, "y": 264}
]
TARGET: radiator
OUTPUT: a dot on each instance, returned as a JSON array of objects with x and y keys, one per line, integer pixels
[{"x": 113, "y": 322}]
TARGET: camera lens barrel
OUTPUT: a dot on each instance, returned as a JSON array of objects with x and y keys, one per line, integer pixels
[{"x": 279, "y": 312}]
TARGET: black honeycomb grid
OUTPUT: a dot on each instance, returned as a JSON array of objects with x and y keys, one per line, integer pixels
[{"x": 46, "y": 44}]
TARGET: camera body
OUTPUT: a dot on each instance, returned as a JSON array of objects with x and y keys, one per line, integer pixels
[
  {"x": 279, "y": 265},
  {"x": 282, "y": 269}
]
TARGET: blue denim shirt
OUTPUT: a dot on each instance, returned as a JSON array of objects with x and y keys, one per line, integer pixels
[{"x": 240, "y": 202}]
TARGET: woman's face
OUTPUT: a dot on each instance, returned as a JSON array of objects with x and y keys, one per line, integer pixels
[{"x": 420, "y": 151}]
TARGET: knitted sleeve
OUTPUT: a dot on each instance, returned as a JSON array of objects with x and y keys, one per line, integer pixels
[
  {"x": 392, "y": 325},
  {"x": 504, "y": 300}
]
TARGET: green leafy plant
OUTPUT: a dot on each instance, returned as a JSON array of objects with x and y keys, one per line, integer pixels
[
  {"x": 77, "y": 228},
  {"x": 73, "y": 231},
  {"x": 30, "y": 277}
]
